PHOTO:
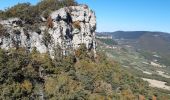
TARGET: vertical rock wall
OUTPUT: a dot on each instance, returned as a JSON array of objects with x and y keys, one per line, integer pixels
[{"x": 67, "y": 27}]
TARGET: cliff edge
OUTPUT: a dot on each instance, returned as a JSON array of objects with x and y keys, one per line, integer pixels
[{"x": 68, "y": 27}]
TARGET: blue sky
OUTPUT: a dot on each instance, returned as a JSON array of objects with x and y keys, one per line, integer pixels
[{"x": 128, "y": 15}]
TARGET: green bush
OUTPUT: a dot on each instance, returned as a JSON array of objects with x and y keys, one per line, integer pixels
[
  {"x": 31, "y": 14},
  {"x": 3, "y": 31},
  {"x": 47, "y": 40}
]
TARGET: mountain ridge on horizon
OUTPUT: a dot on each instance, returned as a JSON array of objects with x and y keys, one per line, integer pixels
[
  {"x": 132, "y": 31},
  {"x": 133, "y": 34},
  {"x": 145, "y": 40}
]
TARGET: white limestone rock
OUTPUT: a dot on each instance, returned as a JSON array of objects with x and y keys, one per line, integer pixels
[{"x": 63, "y": 32}]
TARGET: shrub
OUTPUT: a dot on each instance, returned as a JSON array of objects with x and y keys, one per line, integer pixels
[
  {"x": 3, "y": 31},
  {"x": 81, "y": 52},
  {"x": 46, "y": 13},
  {"x": 76, "y": 24},
  {"x": 50, "y": 22},
  {"x": 46, "y": 39},
  {"x": 27, "y": 86},
  {"x": 31, "y": 14}
]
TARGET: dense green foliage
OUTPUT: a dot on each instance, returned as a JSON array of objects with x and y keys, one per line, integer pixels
[
  {"x": 31, "y": 14},
  {"x": 30, "y": 75}
]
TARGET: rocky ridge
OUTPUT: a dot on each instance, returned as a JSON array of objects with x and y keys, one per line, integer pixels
[{"x": 68, "y": 27}]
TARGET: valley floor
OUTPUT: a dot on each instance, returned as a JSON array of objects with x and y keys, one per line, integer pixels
[{"x": 157, "y": 84}]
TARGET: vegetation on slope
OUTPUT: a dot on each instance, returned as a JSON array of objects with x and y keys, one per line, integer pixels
[
  {"x": 33, "y": 75},
  {"x": 31, "y": 15},
  {"x": 110, "y": 42},
  {"x": 136, "y": 63}
]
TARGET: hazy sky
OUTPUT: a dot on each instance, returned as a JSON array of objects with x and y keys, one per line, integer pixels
[{"x": 129, "y": 15}]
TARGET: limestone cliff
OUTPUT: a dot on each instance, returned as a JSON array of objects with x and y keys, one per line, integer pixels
[{"x": 68, "y": 27}]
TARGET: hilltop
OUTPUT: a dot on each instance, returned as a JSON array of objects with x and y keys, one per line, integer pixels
[{"x": 48, "y": 52}]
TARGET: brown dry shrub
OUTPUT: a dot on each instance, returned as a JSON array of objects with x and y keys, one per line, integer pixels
[
  {"x": 50, "y": 22},
  {"x": 76, "y": 24}
]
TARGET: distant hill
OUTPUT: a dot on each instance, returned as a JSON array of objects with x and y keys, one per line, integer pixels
[
  {"x": 134, "y": 34},
  {"x": 127, "y": 34},
  {"x": 154, "y": 42},
  {"x": 145, "y": 40}
]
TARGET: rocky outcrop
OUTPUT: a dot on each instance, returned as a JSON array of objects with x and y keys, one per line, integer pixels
[{"x": 67, "y": 27}]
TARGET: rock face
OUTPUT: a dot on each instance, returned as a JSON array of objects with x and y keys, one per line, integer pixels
[{"x": 67, "y": 27}]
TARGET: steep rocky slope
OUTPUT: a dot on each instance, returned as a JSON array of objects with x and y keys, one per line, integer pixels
[{"x": 67, "y": 27}]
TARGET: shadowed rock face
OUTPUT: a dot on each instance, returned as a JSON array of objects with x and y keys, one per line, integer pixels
[{"x": 70, "y": 27}]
